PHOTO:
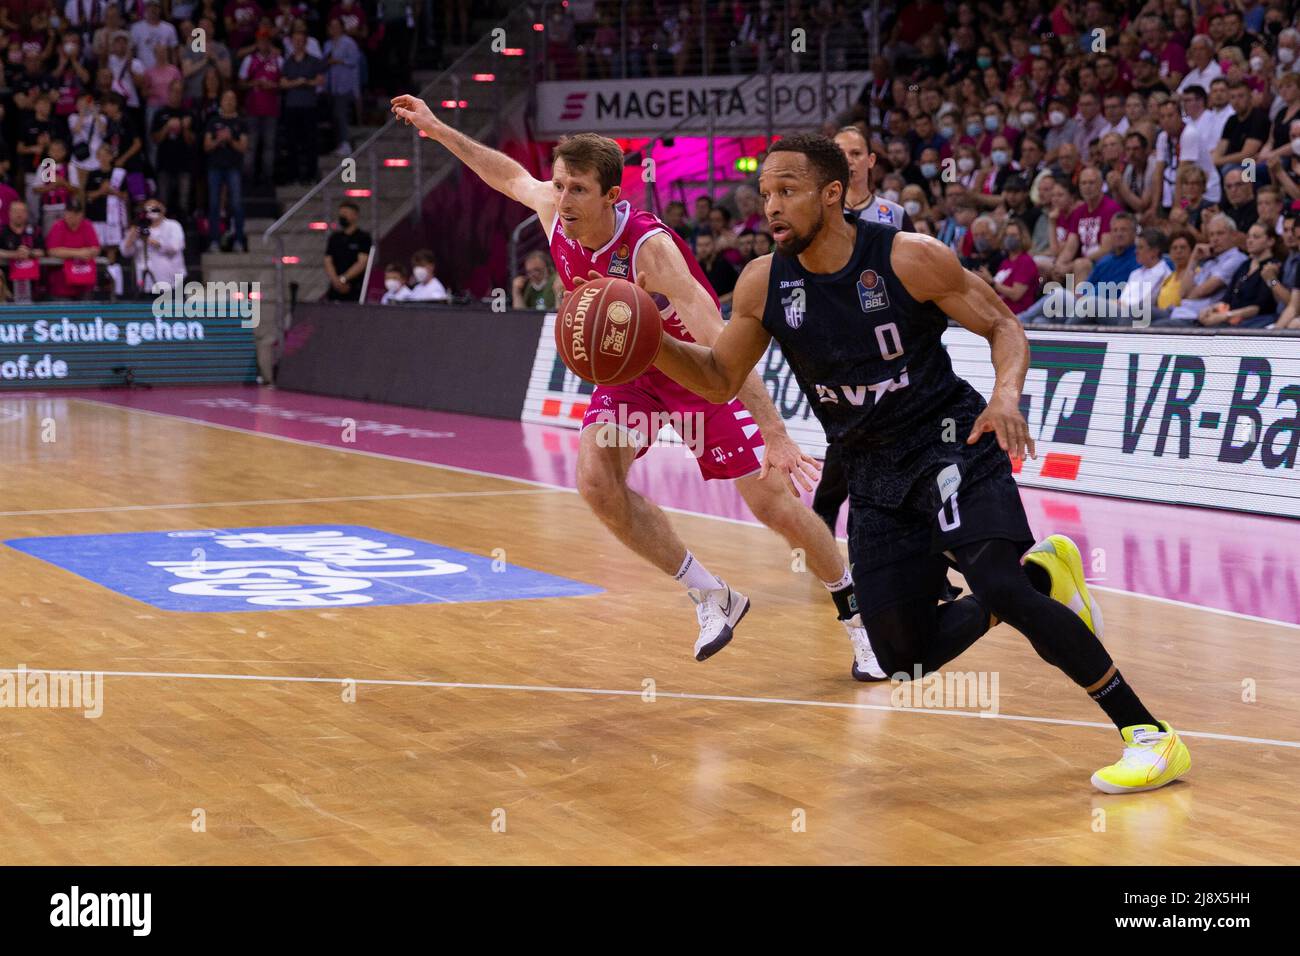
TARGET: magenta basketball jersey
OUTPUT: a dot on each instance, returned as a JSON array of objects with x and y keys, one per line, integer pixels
[{"x": 618, "y": 258}]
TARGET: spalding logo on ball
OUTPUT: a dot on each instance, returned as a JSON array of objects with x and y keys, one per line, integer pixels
[{"x": 608, "y": 331}]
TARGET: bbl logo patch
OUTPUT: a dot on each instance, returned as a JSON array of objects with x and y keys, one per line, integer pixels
[
  {"x": 871, "y": 291},
  {"x": 885, "y": 214},
  {"x": 618, "y": 265},
  {"x": 617, "y": 316}
]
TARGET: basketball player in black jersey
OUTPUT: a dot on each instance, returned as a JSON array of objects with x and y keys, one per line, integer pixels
[{"x": 859, "y": 309}]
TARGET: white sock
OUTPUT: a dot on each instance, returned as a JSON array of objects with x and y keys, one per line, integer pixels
[
  {"x": 845, "y": 581},
  {"x": 695, "y": 575}
]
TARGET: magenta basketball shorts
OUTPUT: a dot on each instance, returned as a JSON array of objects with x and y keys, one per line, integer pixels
[{"x": 724, "y": 439}]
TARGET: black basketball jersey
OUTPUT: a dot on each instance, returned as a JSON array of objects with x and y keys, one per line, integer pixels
[{"x": 868, "y": 355}]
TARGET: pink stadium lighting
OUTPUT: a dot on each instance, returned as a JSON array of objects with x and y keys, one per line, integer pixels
[
  {"x": 513, "y": 51},
  {"x": 397, "y": 162},
  {"x": 290, "y": 260},
  {"x": 538, "y": 27},
  {"x": 455, "y": 104},
  {"x": 318, "y": 225},
  {"x": 484, "y": 77},
  {"x": 357, "y": 193}
]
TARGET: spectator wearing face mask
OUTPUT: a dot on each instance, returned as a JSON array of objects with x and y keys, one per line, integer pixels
[
  {"x": 992, "y": 179},
  {"x": 165, "y": 244},
  {"x": 1016, "y": 279},
  {"x": 967, "y": 162},
  {"x": 930, "y": 171},
  {"x": 1060, "y": 128},
  {"x": 981, "y": 252},
  {"x": 427, "y": 287},
  {"x": 891, "y": 187},
  {"x": 395, "y": 287},
  {"x": 346, "y": 255},
  {"x": 969, "y": 127},
  {"x": 916, "y": 210},
  {"x": 1288, "y": 46}
]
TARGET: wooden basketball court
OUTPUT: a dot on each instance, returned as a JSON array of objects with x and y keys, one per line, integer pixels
[{"x": 562, "y": 730}]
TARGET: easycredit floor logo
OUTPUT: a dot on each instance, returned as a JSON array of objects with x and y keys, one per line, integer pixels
[{"x": 278, "y": 568}]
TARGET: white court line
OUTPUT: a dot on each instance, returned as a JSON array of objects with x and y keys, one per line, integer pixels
[
  {"x": 1198, "y": 607},
  {"x": 185, "y": 506},
  {"x": 607, "y": 692},
  {"x": 544, "y": 484}
]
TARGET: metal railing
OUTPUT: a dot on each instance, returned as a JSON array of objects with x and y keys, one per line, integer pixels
[
  {"x": 515, "y": 236},
  {"x": 329, "y": 189},
  {"x": 753, "y": 46}
]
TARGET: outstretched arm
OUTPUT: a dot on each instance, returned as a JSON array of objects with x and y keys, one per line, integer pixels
[
  {"x": 931, "y": 272},
  {"x": 660, "y": 268},
  {"x": 718, "y": 372},
  {"x": 495, "y": 168}
]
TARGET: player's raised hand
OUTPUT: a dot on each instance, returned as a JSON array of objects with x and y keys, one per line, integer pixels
[
  {"x": 1004, "y": 420},
  {"x": 783, "y": 457},
  {"x": 415, "y": 112}
]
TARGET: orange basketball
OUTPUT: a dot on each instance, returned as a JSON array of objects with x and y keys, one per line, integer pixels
[{"x": 609, "y": 331}]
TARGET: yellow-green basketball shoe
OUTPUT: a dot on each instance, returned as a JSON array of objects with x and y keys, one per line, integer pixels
[
  {"x": 1153, "y": 757},
  {"x": 1059, "y": 557}
]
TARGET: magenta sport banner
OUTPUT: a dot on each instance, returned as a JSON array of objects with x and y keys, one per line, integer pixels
[{"x": 740, "y": 105}]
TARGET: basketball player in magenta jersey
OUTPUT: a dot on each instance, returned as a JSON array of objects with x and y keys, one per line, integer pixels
[
  {"x": 593, "y": 233},
  {"x": 927, "y": 459}
]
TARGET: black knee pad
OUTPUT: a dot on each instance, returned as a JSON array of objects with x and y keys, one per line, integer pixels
[{"x": 897, "y": 634}]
